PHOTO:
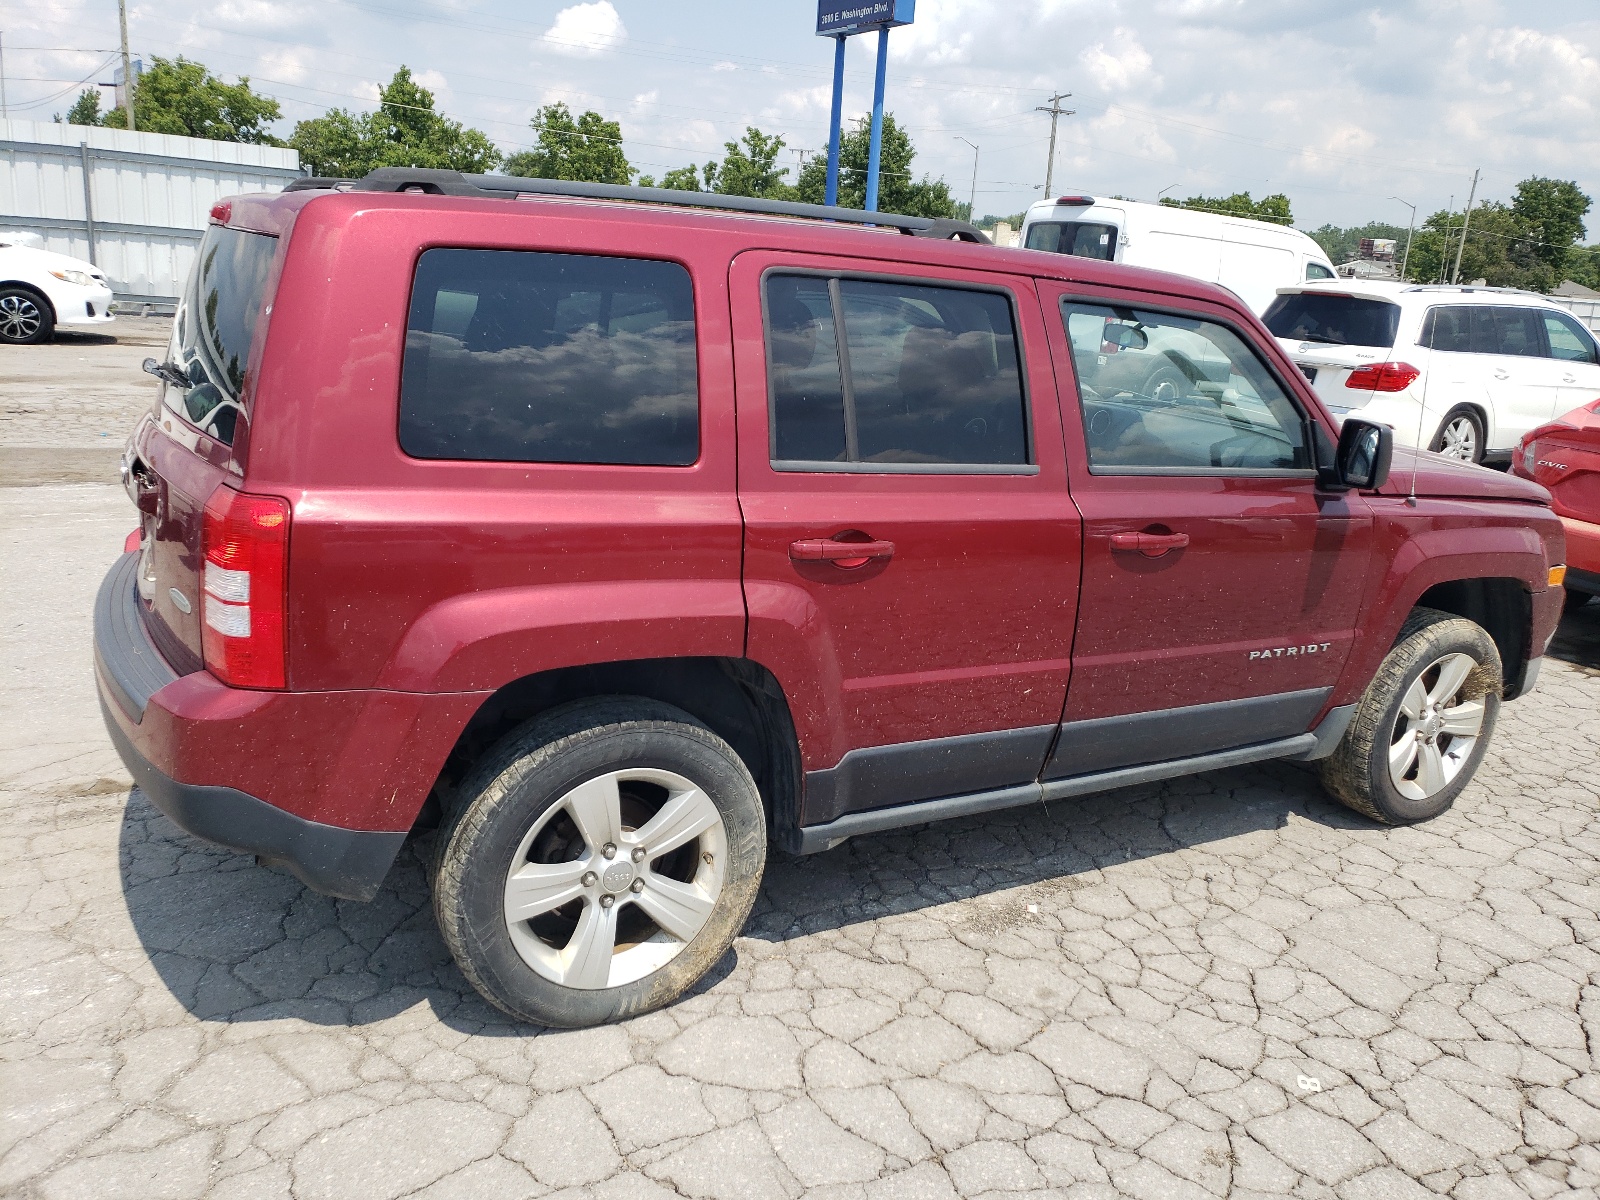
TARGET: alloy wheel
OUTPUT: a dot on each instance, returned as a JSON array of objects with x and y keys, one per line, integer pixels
[
  {"x": 1436, "y": 729},
  {"x": 615, "y": 878},
  {"x": 20, "y": 318},
  {"x": 1460, "y": 440}
]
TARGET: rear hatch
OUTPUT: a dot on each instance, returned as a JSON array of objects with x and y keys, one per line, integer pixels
[
  {"x": 1329, "y": 335},
  {"x": 185, "y": 448}
]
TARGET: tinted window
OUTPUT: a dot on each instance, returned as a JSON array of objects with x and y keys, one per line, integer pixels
[
  {"x": 1085, "y": 239},
  {"x": 1449, "y": 327},
  {"x": 1337, "y": 320},
  {"x": 521, "y": 356},
  {"x": 1162, "y": 392},
  {"x": 1568, "y": 340},
  {"x": 1519, "y": 331},
  {"x": 930, "y": 375},
  {"x": 215, "y": 323}
]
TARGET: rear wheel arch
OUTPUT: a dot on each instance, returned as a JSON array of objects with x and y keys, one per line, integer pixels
[{"x": 738, "y": 699}]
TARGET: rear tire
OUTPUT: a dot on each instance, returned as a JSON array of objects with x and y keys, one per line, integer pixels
[
  {"x": 634, "y": 840},
  {"x": 1460, "y": 435},
  {"x": 26, "y": 317},
  {"x": 1423, "y": 724}
]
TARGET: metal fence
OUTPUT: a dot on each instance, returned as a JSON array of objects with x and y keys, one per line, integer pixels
[{"x": 134, "y": 204}]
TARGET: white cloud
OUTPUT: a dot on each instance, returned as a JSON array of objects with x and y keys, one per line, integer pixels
[
  {"x": 724, "y": 66},
  {"x": 1119, "y": 62},
  {"x": 586, "y": 30}
]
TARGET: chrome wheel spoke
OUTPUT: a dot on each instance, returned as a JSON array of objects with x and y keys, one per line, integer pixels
[
  {"x": 586, "y": 959},
  {"x": 541, "y": 887},
  {"x": 681, "y": 909},
  {"x": 596, "y": 808},
  {"x": 1414, "y": 701},
  {"x": 1401, "y": 755},
  {"x": 1463, "y": 720},
  {"x": 686, "y": 815},
  {"x": 1430, "y": 768},
  {"x": 1453, "y": 672}
]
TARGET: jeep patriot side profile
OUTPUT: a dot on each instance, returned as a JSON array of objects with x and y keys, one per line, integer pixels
[{"x": 622, "y": 538}]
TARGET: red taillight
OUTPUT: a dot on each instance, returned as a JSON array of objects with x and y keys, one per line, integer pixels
[
  {"x": 1383, "y": 377},
  {"x": 243, "y": 590},
  {"x": 221, "y": 211}
]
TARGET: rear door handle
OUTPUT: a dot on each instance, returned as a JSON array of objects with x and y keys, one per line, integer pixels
[
  {"x": 1151, "y": 545},
  {"x": 840, "y": 554},
  {"x": 1502, "y": 374}
]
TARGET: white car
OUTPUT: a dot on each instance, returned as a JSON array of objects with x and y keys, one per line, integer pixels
[
  {"x": 40, "y": 290},
  {"x": 1253, "y": 258},
  {"x": 1462, "y": 370}
]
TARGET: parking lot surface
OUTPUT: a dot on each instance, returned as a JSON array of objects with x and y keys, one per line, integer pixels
[{"x": 1218, "y": 986}]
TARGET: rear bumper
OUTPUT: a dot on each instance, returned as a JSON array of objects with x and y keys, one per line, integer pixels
[
  {"x": 1583, "y": 547},
  {"x": 325, "y": 783}
]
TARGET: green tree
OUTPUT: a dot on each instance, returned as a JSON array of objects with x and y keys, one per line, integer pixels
[
  {"x": 587, "y": 148},
  {"x": 1498, "y": 250},
  {"x": 1551, "y": 211},
  {"x": 179, "y": 96},
  {"x": 405, "y": 131},
  {"x": 1583, "y": 266},
  {"x": 750, "y": 168},
  {"x": 898, "y": 190},
  {"x": 85, "y": 109},
  {"x": 1274, "y": 208}
]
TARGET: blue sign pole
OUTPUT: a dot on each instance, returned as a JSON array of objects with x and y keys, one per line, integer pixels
[
  {"x": 834, "y": 134},
  {"x": 873, "y": 152}
]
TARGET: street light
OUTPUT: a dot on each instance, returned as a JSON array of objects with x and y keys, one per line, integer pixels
[
  {"x": 1164, "y": 191},
  {"x": 1406, "y": 258},
  {"x": 972, "y": 200}
]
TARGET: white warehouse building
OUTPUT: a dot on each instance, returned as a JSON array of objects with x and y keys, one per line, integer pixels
[{"x": 134, "y": 204}]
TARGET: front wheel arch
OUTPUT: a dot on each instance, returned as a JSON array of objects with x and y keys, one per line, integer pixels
[{"x": 39, "y": 297}]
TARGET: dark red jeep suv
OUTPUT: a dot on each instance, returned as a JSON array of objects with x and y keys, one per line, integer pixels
[{"x": 624, "y": 532}]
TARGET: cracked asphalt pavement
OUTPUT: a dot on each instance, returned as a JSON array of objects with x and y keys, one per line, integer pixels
[{"x": 1218, "y": 986}]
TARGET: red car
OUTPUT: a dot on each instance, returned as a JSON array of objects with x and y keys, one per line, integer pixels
[
  {"x": 622, "y": 535},
  {"x": 1565, "y": 457}
]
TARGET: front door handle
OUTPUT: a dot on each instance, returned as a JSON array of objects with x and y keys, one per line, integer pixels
[
  {"x": 841, "y": 554},
  {"x": 1569, "y": 379},
  {"x": 1151, "y": 545}
]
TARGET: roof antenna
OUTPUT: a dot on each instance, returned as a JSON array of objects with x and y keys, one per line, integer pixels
[{"x": 1422, "y": 411}]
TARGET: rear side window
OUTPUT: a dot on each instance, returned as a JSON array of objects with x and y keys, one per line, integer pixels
[
  {"x": 1449, "y": 327},
  {"x": 524, "y": 356},
  {"x": 1336, "y": 320},
  {"x": 928, "y": 376},
  {"x": 1519, "y": 331},
  {"x": 215, "y": 323},
  {"x": 1318, "y": 271},
  {"x": 1084, "y": 239},
  {"x": 1484, "y": 329}
]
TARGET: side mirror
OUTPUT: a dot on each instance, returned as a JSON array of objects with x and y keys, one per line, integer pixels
[{"x": 1365, "y": 450}]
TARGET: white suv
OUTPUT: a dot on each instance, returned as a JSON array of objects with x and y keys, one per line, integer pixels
[{"x": 1462, "y": 370}]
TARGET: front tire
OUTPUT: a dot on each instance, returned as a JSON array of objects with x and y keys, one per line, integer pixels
[
  {"x": 25, "y": 317},
  {"x": 604, "y": 859},
  {"x": 1423, "y": 724},
  {"x": 1460, "y": 435}
]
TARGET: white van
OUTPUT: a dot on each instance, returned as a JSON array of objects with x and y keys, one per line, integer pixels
[{"x": 1253, "y": 258}]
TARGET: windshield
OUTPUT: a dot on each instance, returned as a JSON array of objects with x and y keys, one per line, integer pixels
[
  {"x": 214, "y": 325},
  {"x": 1337, "y": 320}
]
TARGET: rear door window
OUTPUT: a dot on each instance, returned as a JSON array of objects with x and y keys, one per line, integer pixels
[
  {"x": 929, "y": 377},
  {"x": 1084, "y": 239},
  {"x": 1336, "y": 320},
  {"x": 1168, "y": 394},
  {"x": 215, "y": 324},
  {"x": 1519, "y": 332},
  {"x": 526, "y": 356}
]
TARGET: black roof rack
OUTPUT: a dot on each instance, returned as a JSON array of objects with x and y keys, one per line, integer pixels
[{"x": 505, "y": 187}]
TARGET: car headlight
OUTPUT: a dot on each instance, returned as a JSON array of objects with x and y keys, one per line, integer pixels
[{"x": 81, "y": 278}]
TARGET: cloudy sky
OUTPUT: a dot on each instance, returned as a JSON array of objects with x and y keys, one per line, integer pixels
[{"x": 1341, "y": 106}]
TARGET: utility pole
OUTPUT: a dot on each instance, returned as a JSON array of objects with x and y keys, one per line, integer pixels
[
  {"x": 1409, "y": 228},
  {"x": 1466, "y": 219},
  {"x": 1449, "y": 215},
  {"x": 127, "y": 64},
  {"x": 2, "y": 76},
  {"x": 1055, "y": 110},
  {"x": 972, "y": 199}
]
